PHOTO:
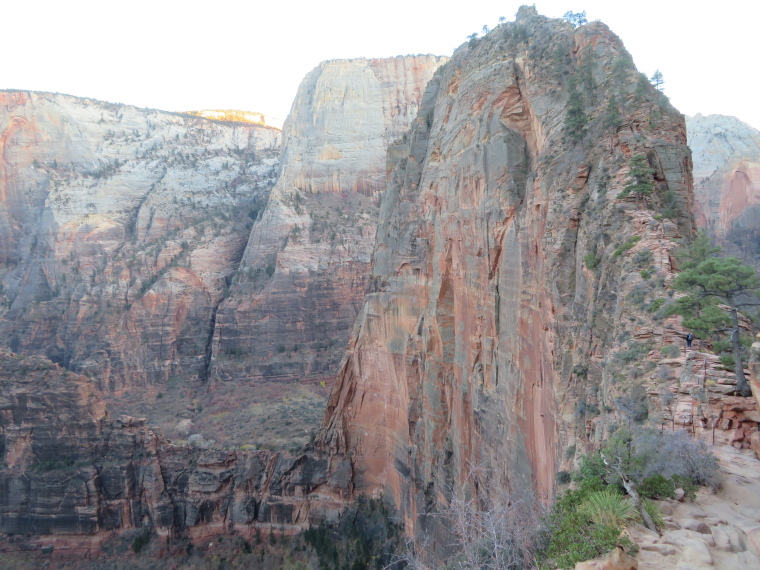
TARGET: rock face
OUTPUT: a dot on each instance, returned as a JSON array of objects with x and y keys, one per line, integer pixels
[
  {"x": 71, "y": 476},
  {"x": 504, "y": 258},
  {"x": 285, "y": 324},
  {"x": 120, "y": 231},
  {"x": 726, "y": 154}
]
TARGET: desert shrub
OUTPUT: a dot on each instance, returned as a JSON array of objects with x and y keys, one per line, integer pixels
[
  {"x": 635, "y": 351},
  {"x": 628, "y": 244},
  {"x": 654, "y": 511},
  {"x": 727, "y": 361},
  {"x": 633, "y": 404},
  {"x": 563, "y": 477},
  {"x": 609, "y": 508},
  {"x": 688, "y": 486},
  {"x": 570, "y": 452},
  {"x": 670, "y": 351},
  {"x": 643, "y": 258},
  {"x": 680, "y": 454},
  {"x": 657, "y": 487},
  {"x": 591, "y": 260},
  {"x": 571, "y": 535}
]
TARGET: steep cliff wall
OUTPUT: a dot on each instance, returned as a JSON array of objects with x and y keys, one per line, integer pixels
[
  {"x": 726, "y": 154},
  {"x": 120, "y": 230},
  {"x": 72, "y": 477},
  {"x": 503, "y": 265},
  {"x": 285, "y": 324}
]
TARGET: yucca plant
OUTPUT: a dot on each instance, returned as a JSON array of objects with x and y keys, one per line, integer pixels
[
  {"x": 609, "y": 509},
  {"x": 655, "y": 512}
]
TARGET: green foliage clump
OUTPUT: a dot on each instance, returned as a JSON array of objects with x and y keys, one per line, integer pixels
[
  {"x": 563, "y": 477},
  {"x": 670, "y": 351},
  {"x": 627, "y": 245},
  {"x": 657, "y": 487},
  {"x": 609, "y": 508},
  {"x": 572, "y": 534},
  {"x": 640, "y": 178},
  {"x": 575, "y": 112},
  {"x": 591, "y": 260},
  {"x": 709, "y": 280}
]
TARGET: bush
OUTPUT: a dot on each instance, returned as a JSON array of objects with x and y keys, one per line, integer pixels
[
  {"x": 571, "y": 535},
  {"x": 643, "y": 257},
  {"x": 608, "y": 508},
  {"x": 681, "y": 455},
  {"x": 657, "y": 487},
  {"x": 591, "y": 260},
  {"x": 629, "y": 243},
  {"x": 670, "y": 351},
  {"x": 727, "y": 361},
  {"x": 563, "y": 478},
  {"x": 655, "y": 513}
]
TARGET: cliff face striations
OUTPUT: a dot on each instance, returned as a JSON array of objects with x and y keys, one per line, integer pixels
[
  {"x": 285, "y": 324},
  {"x": 503, "y": 265},
  {"x": 120, "y": 230},
  {"x": 727, "y": 182},
  {"x": 72, "y": 477}
]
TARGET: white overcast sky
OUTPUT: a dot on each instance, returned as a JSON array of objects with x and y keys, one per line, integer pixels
[{"x": 252, "y": 55}]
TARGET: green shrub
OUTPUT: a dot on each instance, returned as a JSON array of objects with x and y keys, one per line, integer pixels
[
  {"x": 688, "y": 486},
  {"x": 563, "y": 477},
  {"x": 571, "y": 535},
  {"x": 657, "y": 487},
  {"x": 629, "y": 243},
  {"x": 670, "y": 351},
  {"x": 655, "y": 513},
  {"x": 728, "y": 361},
  {"x": 608, "y": 508},
  {"x": 591, "y": 260}
]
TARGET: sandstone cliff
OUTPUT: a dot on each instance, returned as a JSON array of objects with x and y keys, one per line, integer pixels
[
  {"x": 503, "y": 263},
  {"x": 284, "y": 326},
  {"x": 120, "y": 231},
  {"x": 726, "y": 154},
  {"x": 72, "y": 477}
]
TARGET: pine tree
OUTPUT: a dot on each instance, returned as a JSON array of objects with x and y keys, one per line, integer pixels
[
  {"x": 657, "y": 80},
  {"x": 640, "y": 179},
  {"x": 707, "y": 281},
  {"x": 575, "y": 117}
]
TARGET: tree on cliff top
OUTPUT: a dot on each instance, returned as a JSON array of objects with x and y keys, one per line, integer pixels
[
  {"x": 657, "y": 80},
  {"x": 576, "y": 18},
  {"x": 707, "y": 281}
]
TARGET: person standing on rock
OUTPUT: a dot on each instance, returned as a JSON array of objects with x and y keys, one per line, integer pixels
[{"x": 689, "y": 338}]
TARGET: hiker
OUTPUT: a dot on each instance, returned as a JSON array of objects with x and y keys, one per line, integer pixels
[{"x": 689, "y": 338}]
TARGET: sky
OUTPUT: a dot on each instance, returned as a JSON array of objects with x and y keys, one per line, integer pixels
[{"x": 181, "y": 56}]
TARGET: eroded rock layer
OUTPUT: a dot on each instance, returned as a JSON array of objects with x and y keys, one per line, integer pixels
[
  {"x": 727, "y": 182},
  {"x": 120, "y": 231},
  {"x": 281, "y": 332},
  {"x": 72, "y": 476},
  {"x": 503, "y": 265}
]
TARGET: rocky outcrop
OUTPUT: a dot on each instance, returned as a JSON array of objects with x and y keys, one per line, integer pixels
[
  {"x": 72, "y": 476},
  {"x": 726, "y": 154},
  {"x": 121, "y": 229},
  {"x": 282, "y": 330},
  {"x": 505, "y": 255}
]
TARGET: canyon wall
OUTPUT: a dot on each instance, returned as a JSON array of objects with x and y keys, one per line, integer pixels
[
  {"x": 120, "y": 231},
  {"x": 726, "y": 154},
  {"x": 505, "y": 261},
  {"x": 282, "y": 330},
  {"x": 73, "y": 477}
]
